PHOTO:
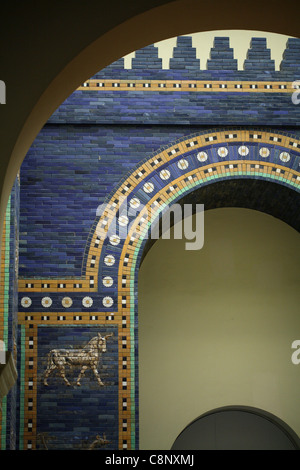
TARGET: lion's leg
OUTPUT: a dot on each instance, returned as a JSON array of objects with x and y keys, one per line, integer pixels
[
  {"x": 84, "y": 368},
  {"x": 48, "y": 372},
  {"x": 94, "y": 369},
  {"x": 63, "y": 374}
]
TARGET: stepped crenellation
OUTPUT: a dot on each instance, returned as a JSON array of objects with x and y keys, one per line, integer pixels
[
  {"x": 147, "y": 58},
  {"x": 291, "y": 57},
  {"x": 186, "y": 93},
  {"x": 222, "y": 55},
  {"x": 184, "y": 55},
  {"x": 185, "y": 64},
  {"x": 259, "y": 56}
]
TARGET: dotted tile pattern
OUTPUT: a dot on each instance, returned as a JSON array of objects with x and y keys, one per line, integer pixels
[{"x": 138, "y": 137}]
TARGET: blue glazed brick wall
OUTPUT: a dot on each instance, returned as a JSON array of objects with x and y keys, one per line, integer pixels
[
  {"x": 59, "y": 198},
  {"x": 187, "y": 108},
  {"x": 93, "y": 140},
  {"x": 112, "y": 131},
  {"x": 70, "y": 417},
  {"x": 154, "y": 107}
]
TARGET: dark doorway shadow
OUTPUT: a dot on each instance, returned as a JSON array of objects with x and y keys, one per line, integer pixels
[{"x": 237, "y": 428}]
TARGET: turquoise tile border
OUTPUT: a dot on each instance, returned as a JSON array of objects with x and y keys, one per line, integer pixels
[
  {"x": 3, "y": 424},
  {"x": 5, "y": 312}
]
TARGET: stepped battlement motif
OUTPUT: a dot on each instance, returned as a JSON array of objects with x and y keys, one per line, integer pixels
[
  {"x": 216, "y": 93},
  {"x": 184, "y": 60}
]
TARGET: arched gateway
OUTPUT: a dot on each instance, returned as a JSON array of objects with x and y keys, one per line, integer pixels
[
  {"x": 120, "y": 233},
  {"x": 134, "y": 142}
]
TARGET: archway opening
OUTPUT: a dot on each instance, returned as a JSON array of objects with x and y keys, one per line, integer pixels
[
  {"x": 237, "y": 428},
  {"x": 216, "y": 326}
]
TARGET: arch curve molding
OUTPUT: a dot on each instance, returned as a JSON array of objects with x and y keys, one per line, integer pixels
[
  {"x": 171, "y": 173},
  {"x": 163, "y": 179}
]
